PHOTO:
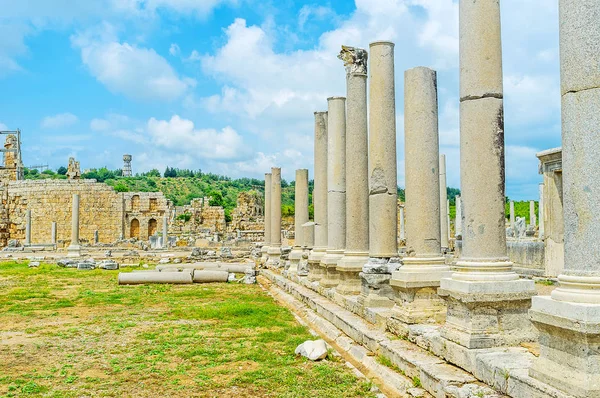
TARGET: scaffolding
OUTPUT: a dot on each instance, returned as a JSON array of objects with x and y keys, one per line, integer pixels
[
  {"x": 18, "y": 159},
  {"x": 127, "y": 165}
]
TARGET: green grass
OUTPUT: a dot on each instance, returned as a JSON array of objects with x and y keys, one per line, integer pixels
[{"x": 69, "y": 333}]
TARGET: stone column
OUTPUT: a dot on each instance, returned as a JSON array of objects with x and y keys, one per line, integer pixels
[
  {"x": 300, "y": 218},
  {"x": 308, "y": 241},
  {"x": 569, "y": 320},
  {"x": 267, "y": 213},
  {"x": 541, "y": 212},
  {"x": 443, "y": 198},
  {"x": 512, "y": 219},
  {"x": 458, "y": 218},
  {"x": 336, "y": 190},
  {"x": 402, "y": 225},
  {"x": 165, "y": 232},
  {"x": 423, "y": 266},
  {"x": 275, "y": 243},
  {"x": 532, "y": 220},
  {"x": 315, "y": 271},
  {"x": 74, "y": 250},
  {"x": 357, "y": 176},
  {"x": 53, "y": 232},
  {"x": 383, "y": 182},
  {"x": 28, "y": 227},
  {"x": 448, "y": 218},
  {"x": 487, "y": 302}
]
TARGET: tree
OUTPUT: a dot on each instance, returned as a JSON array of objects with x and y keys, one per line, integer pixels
[{"x": 62, "y": 170}]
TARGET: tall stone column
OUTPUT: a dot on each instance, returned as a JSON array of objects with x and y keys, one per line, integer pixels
[
  {"x": 402, "y": 224},
  {"x": 383, "y": 181},
  {"x": 53, "y": 232},
  {"x": 28, "y": 228},
  {"x": 458, "y": 218},
  {"x": 512, "y": 217},
  {"x": 336, "y": 190},
  {"x": 275, "y": 243},
  {"x": 315, "y": 271},
  {"x": 443, "y": 198},
  {"x": 74, "y": 250},
  {"x": 267, "y": 213},
  {"x": 532, "y": 219},
  {"x": 423, "y": 266},
  {"x": 357, "y": 176},
  {"x": 308, "y": 241},
  {"x": 487, "y": 302},
  {"x": 300, "y": 218},
  {"x": 541, "y": 212},
  {"x": 165, "y": 232},
  {"x": 569, "y": 320}
]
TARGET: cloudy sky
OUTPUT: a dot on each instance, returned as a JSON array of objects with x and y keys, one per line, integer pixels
[{"x": 230, "y": 86}]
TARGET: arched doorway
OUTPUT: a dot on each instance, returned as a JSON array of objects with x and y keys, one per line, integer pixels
[
  {"x": 152, "y": 227},
  {"x": 134, "y": 230}
]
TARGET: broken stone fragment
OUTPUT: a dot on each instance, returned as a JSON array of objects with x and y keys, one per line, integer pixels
[{"x": 313, "y": 350}]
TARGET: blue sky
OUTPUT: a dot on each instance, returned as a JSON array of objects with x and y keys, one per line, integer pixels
[{"x": 230, "y": 86}]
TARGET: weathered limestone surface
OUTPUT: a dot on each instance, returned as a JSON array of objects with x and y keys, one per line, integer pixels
[
  {"x": 142, "y": 212},
  {"x": 336, "y": 189},
  {"x": 569, "y": 320},
  {"x": 265, "y": 248},
  {"x": 487, "y": 303},
  {"x": 383, "y": 193},
  {"x": 140, "y": 278},
  {"x": 315, "y": 271},
  {"x": 458, "y": 220},
  {"x": 300, "y": 217},
  {"x": 443, "y": 199},
  {"x": 423, "y": 265},
  {"x": 357, "y": 174},
  {"x": 275, "y": 242},
  {"x": 28, "y": 227},
  {"x": 74, "y": 248}
]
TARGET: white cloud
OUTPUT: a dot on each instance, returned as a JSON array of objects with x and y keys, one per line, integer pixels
[
  {"x": 59, "y": 121},
  {"x": 127, "y": 69},
  {"x": 174, "y": 50}
]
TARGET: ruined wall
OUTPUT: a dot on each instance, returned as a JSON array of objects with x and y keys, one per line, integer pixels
[
  {"x": 144, "y": 213},
  {"x": 101, "y": 208},
  {"x": 248, "y": 217},
  {"x": 204, "y": 219}
]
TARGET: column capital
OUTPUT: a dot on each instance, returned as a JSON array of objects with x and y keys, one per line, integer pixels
[{"x": 355, "y": 60}]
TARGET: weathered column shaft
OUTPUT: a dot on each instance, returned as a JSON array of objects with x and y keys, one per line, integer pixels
[
  {"x": 443, "y": 195},
  {"x": 75, "y": 221},
  {"x": 484, "y": 278},
  {"x": 569, "y": 321},
  {"x": 532, "y": 218},
  {"x": 53, "y": 232},
  {"x": 315, "y": 271},
  {"x": 458, "y": 217},
  {"x": 28, "y": 227},
  {"x": 383, "y": 180},
  {"x": 267, "y": 210},
  {"x": 402, "y": 224},
  {"x": 512, "y": 216},
  {"x": 165, "y": 233},
  {"x": 336, "y": 189},
  {"x": 423, "y": 265},
  {"x": 357, "y": 175},
  {"x": 300, "y": 217},
  {"x": 541, "y": 212},
  {"x": 275, "y": 207}
]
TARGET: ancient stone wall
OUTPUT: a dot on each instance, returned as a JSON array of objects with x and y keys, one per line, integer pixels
[
  {"x": 204, "y": 219},
  {"x": 101, "y": 209},
  {"x": 248, "y": 216},
  {"x": 143, "y": 214}
]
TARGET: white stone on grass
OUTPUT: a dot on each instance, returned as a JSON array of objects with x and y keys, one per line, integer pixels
[{"x": 313, "y": 350}]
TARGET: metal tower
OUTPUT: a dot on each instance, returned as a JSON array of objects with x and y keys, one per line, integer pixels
[{"x": 127, "y": 165}]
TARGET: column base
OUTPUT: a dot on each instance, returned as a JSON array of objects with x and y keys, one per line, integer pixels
[
  {"x": 569, "y": 339},
  {"x": 303, "y": 264},
  {"x": 349, "y": 267},
  {"x": 486, "y": 314},
  {"x": 295, "y": 257},
  {"x": 315, "y": 270},
  {"x": 415, "y": 284},
  {"x": 274, "y": 259},
  {"x": 264, "y": 256},
  {"x": 329, "y": 263},
  {"x": 74, "y": 251},
  {"x": 376, "y": 290}
]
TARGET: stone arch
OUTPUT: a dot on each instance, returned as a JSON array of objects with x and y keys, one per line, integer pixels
[
  {"x": 134, "y": 230},
  {"x": 135, "y": 203},
  {"x": 152, "y": 227}
]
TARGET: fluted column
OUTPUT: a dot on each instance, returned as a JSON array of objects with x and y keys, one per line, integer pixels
[
  {"x": 487, "y": 302},
  {"x": 569, "y": 320},
  {"x": 336, "y": 189},
  {"x": 300, "y": 217},
  {"x": 74, "y": 250},
  {"x": 267, "y": 214},
  {"x": 357, "y": 175},
  {"x": 275, "y": 242},
  {"x": 443, "y": 197},
  {"x": 423, "y": 265},
  {"x": 383, "y": 181},
  {"x": 315, "y": 271}
]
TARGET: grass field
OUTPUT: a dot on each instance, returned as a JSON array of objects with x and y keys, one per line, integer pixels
[{"x": 69, "y": 333}]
